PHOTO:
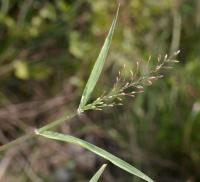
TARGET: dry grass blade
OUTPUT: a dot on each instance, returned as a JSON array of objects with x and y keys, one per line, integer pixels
[
  {"x": 106, "y": 155},
  {"x": 98, "y": 66}
]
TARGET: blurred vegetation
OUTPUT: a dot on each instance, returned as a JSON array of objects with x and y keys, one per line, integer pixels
[{"x": 47, "y": 49}]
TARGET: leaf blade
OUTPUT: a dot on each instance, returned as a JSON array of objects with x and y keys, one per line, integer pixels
[
  {"x": 98, "y": 174},
  {"x": 101, "y": 152},
  {"x": 98, "y": 66}
]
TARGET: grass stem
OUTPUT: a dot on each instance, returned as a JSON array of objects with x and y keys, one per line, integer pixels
[{"x": 33, "y": 133}]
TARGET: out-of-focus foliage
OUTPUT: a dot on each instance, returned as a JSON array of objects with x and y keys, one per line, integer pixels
[{"x": 47, "y": 49}]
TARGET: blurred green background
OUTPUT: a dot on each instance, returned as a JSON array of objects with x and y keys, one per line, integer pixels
[{"x": 47, "y": 49}]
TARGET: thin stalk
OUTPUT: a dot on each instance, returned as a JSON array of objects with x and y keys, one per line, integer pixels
[
  {"x": 33, "y": 133},
  {"x": 17, "y": 141},
  {"x": 56, "y": 122}
]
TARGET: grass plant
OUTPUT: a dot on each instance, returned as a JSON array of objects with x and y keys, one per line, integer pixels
[{"x": 130, "y": 87}]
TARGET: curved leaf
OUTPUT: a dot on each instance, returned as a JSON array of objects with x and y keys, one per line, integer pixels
[
  {"x": 106, "y": 155},
  {"x": 98, "y": 66}
]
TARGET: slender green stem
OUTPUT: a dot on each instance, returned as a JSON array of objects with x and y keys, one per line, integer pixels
[
  {"x": 56, "y": 122},
  {"x": 17, "y": 141},
  {"x": 49, "y": 126}
]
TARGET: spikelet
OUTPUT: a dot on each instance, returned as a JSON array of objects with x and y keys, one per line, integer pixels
[{"x": 135, "y": 84}]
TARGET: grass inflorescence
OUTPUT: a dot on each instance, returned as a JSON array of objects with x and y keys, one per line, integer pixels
[
  {"x": 131, "y": 86},
  {"x": 135, "y": 83}
]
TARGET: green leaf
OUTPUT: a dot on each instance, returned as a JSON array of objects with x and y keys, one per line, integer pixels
[
  {"x": 98, "y": 66},
  {"x": 106, "y": 155},
  {"x": 97, "y": 175}
]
